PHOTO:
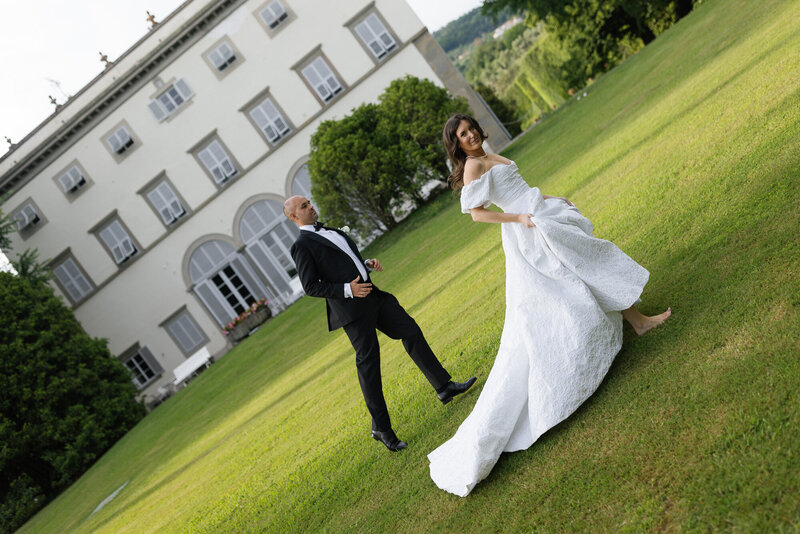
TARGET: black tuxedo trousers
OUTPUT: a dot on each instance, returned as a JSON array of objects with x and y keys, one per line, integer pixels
[{"x": 391, "y": 319}]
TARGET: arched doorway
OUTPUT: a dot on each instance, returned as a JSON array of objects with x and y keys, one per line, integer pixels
[
  {"x": 224, "y": 281},
  {"x": 268, "y": 236}
]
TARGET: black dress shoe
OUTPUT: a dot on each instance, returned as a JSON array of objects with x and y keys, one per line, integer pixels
[
  {"x": 389, "y": 439},
  {"x": 454, "y": 388}
]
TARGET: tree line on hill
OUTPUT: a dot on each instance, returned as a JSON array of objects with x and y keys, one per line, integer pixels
[
  {"x": 563, "y": 46},
  {"x": 469, "y": 27}
]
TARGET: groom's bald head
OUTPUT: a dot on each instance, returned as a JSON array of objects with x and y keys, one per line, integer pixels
[
  {"x": 299, "y": 210},
  {"x": 289, "y": 205}
]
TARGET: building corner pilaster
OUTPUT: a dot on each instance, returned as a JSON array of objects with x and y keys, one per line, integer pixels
[{"x": 454, "y": 82}]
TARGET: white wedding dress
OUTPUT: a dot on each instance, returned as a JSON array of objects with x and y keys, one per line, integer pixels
[{"x": 563, "y": 327}]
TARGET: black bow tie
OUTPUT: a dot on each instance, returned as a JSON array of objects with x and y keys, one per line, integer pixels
[{"x": 317, "y": 226}]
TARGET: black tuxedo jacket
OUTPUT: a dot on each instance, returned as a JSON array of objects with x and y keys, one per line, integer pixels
[{"x": 323, "y": 269}]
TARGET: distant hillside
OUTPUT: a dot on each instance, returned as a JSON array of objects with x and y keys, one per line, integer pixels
[{"x": 469, "y": 27}]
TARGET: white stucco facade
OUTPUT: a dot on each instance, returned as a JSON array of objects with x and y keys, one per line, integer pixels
[{"x": 130, "y": 303}]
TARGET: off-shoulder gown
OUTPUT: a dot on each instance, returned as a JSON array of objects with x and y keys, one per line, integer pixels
[{"x": 563, "y": 327}]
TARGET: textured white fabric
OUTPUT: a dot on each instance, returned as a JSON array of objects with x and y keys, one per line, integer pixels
[{"x": 563, "y": 327}]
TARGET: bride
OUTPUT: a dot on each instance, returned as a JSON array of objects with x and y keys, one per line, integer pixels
[{"x": 566, "y": 295}]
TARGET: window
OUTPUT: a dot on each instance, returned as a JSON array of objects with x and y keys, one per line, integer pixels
[
  {"x": 375, "y": 36},
  {"x": 72, "y": 281},
  {"x": 301, "y": 183},
  {"x": 72, "y": 180},
  {"x": 143, "y": 366},
  {"x": 166, "y": 203},
  {"x": 169, "y": 101},
  {"x": 184, "y": 331},
  {"x": 118, "y": 242},
  {"x": 216, "y": 159},
  {"x": 26, "y": 217},
  {"x": 270, "y": 120},
  {"x": 222, "y": 57},
  {"x": 273, "y": 14},
  {"x": 120, "y": 141},
  {"x": 217, "y": 162},
  {"x": 322, "y": 79}
]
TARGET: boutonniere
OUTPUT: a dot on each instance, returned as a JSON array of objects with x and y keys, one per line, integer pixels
[{"x": 345, "y": 229}]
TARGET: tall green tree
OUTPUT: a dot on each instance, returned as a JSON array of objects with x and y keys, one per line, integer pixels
[
  {"x": 27, "y": 264},
  {"x": 415, "y": 111},
  {"x": 7, "y": 227},
  {"x": 65, "y": 400},
  {"x": 375, "y": 161},
  {"x": 354, "y": 165}
]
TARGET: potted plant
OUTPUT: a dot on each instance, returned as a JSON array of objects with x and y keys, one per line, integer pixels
[{"x": 250, "y": 319}]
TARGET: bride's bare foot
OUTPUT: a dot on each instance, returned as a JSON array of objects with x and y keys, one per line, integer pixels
[
  {"x": 643, "y": 323},
  {"x": 648, "y": 323}
]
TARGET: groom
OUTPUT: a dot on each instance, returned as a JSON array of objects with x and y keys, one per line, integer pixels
[{"x": 330, "y": 266}]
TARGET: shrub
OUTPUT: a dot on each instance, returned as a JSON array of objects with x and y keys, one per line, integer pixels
[{"x": 65, "y": 399}]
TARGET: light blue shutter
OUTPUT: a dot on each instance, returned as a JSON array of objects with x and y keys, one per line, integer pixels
[
  {"x": 327, "y": 74},
  {"x": 151, "y": 361},
  {"x": 317, "y": 83},
  {"x": 213, "y": 301},
  {"x": 273, "y": 273},
  {"x": 251, "y": 281},
  {"x": 166, "y": 203},
  {"x": 264, "y": 124},
  {"x": 186, "y": 332},
  {"x": 184, "y": 90},
  {"x": 157, "y": 108}
]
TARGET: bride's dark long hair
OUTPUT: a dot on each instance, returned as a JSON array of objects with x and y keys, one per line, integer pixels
[{"x": 454, "y": 150}]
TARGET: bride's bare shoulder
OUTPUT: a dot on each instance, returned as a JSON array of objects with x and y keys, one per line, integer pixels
[{"x": 473, "y": 169}]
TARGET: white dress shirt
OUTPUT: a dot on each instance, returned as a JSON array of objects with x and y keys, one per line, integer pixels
[{"x": 341, "y": 243}]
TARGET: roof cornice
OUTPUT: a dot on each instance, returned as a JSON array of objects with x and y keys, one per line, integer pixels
[{"x": 118, "y": 92}]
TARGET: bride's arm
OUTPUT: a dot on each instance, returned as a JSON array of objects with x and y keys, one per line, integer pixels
[
  {"x": 472, "y": 171},
  {"x": 488, "y": 216}
]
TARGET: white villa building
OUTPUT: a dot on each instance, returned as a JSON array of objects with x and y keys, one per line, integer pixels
[{"x": 156, "y": 191}]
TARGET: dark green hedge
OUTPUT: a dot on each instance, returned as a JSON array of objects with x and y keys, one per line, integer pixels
[{"x": 65, "y": 400}]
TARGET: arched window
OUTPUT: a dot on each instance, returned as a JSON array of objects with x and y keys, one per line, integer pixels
[
  {"x": 301, "y": 183},
  {"x": 268, "y": 236},
  {"x": 224, "y": 281}
]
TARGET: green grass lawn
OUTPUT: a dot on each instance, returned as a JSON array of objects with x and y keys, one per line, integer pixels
[{"x": 688, "y": 157}]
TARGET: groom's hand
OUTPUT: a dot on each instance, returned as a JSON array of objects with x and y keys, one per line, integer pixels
[
  {"x": 374, "y": 264},
  {"x": 359, "y": 289}
]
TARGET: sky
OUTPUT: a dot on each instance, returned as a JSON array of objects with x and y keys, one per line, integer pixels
[{"x": 46, "y": 40}]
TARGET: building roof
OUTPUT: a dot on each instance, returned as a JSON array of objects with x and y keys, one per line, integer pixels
[{"x": 120, "y": 80}]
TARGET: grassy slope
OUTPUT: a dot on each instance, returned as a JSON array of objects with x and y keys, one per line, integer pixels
[{"x": 686, "y": 156}]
